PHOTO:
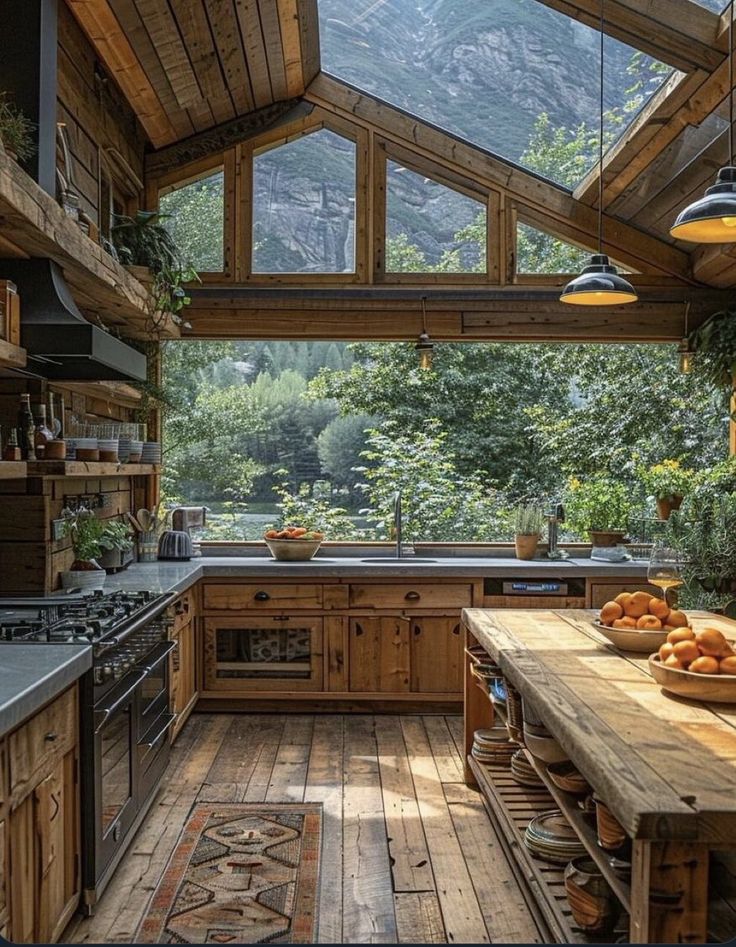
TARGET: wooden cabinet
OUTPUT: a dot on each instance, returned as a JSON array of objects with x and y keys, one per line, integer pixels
[
  {"x": 407, "y": 595},
  {"x": 436, "y": 655},
  {"x": 379, "y": 655},
  {"x": 262, "y": 596},
  {"x": 42, "y": 823},
  {"x": 263, "y": 653},
  {"x": 183, "y": 662}
]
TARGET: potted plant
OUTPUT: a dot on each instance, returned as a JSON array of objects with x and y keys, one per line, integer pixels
[
  {"x": 85, "y": 532},
  {"x": 16, "y": 131},
  {"x": 117, "y": 546},
  {"x": 528, "y": 523},
  {"x": 668, "y": 482},
  {"x": 600, "y": 507},
  {"x": 147, "y": 249}
]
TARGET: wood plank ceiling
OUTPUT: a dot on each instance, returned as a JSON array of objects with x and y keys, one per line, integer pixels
[
  {"x": 190, "y": 65},
  {"x": 187, "y": 65}
]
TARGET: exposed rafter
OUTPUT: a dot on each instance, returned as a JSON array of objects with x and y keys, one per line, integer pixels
[{"x": 679, "y": 32}]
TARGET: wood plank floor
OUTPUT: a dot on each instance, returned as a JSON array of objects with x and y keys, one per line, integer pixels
[{"x": 408, "y": 856}]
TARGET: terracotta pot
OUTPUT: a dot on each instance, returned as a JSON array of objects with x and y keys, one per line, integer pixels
[
  {"x": 666, "y": 505},
  {"x": 611, "y": 834},
  {"x": 592, "y": 901},
  {"x": 607, "y": 537},
  {"x": 526, "y": 545}
]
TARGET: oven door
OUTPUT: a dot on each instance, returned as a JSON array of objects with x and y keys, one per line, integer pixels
[
  {"x": 115, "y": 777},
  {"x": 153, "y": 694}
]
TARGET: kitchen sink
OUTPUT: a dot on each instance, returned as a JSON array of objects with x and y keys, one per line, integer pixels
[{"x": 395, "y": 559}]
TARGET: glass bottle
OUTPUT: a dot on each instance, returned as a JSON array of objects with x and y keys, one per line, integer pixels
[
  {"x": 54, "y": 423},
  {"x": 26, "y": 429},
  {"x": 11, "y": 451},
  {"x": 42, "y": 433}
]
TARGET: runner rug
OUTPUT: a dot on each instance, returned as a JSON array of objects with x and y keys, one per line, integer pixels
[{"x": 240, "y": 874}]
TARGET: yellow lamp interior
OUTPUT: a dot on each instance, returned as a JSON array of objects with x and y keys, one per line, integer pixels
[
  {"x": 709, "y": 230},
  {"x": 599, "y": 298}
]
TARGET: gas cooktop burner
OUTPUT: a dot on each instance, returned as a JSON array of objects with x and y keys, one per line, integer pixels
[{"x": 87, "y": 619}]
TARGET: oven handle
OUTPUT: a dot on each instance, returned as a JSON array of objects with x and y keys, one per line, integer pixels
[
  {"x": 172, "y": 646},
  {"x": 106, "y": 712},
  {"x": 149, "y": 745}
]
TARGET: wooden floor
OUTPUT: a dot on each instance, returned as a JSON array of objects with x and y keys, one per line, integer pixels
[{"x": 408, "y": 855}]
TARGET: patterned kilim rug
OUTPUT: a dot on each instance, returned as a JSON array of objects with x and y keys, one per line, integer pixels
[{"x": 240, "y": 874}]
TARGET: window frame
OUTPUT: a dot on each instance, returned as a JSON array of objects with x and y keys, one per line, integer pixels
[{"x": 277, "y": 137}]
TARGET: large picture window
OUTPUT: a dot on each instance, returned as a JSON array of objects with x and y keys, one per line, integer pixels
[
  {"x": 304, "y": 206},
  {"x": 197, "y": 220}
]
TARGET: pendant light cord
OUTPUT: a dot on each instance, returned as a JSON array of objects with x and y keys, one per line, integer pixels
[{"x": 600, "y": 138}]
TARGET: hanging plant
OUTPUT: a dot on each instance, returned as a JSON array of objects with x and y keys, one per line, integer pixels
[
  {"x": 16, "y": 131},
  {"x": 714, "y": 344}
]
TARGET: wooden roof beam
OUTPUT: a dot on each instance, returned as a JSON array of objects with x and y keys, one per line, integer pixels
[
  {"x": 679, "y": 32},
  {"x": 631, "y": 246},
  {"x": 101, "y": 26}
]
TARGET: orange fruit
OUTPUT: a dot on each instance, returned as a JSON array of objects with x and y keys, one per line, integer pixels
[
  {"x": 638, "y": 604},
  {"x": 649, "y": 623},
  {"x": 678, "y": 619},
  {"x": 681, "y": 634},
  {"x": 610, "y": 612},
  {"x": 666, "y": 650},
  {"x": 673, "y": 662},
  {"x": 711, "y": 642},
  {"x": 659, "y": 608},
  {"x": 624, "y": 622},
  {"x": 686, "y": 652},
  {"x": 728, "y": 665},
  {"x": 704, "y": 665},
  {"x": 622, "y": 598}
]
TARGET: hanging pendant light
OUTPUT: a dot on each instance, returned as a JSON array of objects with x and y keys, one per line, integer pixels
[
  {"x": 599, "y": 283},
  {"x": 685, "y": 351},
  {"x": 425, "y": 346},
  {"x": 712, "y": 219}
]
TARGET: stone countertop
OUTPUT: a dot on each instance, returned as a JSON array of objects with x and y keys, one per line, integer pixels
[
  {"x": 179, "y": 576},
  {"x": 33, "y": 674}
]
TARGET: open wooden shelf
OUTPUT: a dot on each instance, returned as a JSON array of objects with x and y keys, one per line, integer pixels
[
  {"x": 81, "y": 468},
  {"x": 512, "y": 807},
  {"x": 12, "y": 469},
  {"x": 40, "y": 228},
  {"x": 11, "y": 356}
]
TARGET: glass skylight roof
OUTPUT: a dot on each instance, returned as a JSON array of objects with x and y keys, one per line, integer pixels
[
  {"x": 488, "y": 70},
  {"x": 717, "y": 6}
]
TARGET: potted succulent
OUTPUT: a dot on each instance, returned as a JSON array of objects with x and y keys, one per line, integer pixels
[
  {"x": 16, "y": 131},
  {"x": 600, "y": 507},
  {"x": 85, "y": 532},
  {"x": 668, "y": 482},
  {"x": 528, "y": 523},
  {"x": 117, "y": 546}
]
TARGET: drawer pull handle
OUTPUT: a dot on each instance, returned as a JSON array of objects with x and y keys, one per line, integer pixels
[
  {"x": 412, "y": 596},
  {"x": 51, "y": 737},
  {"x": 261, "y": 596}
]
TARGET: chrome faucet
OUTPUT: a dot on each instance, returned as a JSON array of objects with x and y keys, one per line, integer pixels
[
  {"x": 554, "y": 519},
  {"x": 397, "y": 522}
]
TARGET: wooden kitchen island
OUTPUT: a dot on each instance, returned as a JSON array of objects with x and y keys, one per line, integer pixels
[{"x": 665, "y": 767}]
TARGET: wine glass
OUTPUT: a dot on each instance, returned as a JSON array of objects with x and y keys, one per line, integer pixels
[{"x": 665, "y": 569}]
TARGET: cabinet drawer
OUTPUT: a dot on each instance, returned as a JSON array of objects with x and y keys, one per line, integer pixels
[
  {"x": 36, "y": 746},
  {"x": 407, "y": 596},
  {"x": 183, "y": 612},
  {"x": 252, "y": 596}
]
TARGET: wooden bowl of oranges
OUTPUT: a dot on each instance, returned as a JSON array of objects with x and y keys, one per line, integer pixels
[
  {"x": 701, "y": 665},
  {"x": 638, "y": 621},
  {"x": 293, "y": 543}
]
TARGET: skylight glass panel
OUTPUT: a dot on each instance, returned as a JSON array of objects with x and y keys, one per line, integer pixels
[
  {"x": 717, "y": 6},
  {"x": 512, "y": 76}
]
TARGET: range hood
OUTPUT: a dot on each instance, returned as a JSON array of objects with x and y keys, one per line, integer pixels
[{"x": 61, "y": 344}]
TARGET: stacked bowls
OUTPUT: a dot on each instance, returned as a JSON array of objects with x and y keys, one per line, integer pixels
[
  {"x": 549, "y": 836},
  {"x": 151, "y": 452},
  {"x": 523, "y": 771},
  {"x": 492, "y": 745}
]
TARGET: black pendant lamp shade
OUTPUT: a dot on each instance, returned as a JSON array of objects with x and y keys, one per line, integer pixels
[
  {"x": 599, "y": 284},
  {"x": 712, "y": 219}
]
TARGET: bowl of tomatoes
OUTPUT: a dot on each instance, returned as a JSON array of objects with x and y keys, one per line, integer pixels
[{"x": 293, "y": 543}]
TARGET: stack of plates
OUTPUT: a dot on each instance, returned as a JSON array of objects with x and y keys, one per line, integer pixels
[
  {"x": 550, "y": 837},
  {"x": 492, "y": 745},
  {"x": 523, "y": 771},
  {"x": 151, "y": 452}
]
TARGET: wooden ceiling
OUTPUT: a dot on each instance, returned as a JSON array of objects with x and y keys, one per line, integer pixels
[
  {"x": 187, "y": 65},
  {"x": 190, "y": 66}
]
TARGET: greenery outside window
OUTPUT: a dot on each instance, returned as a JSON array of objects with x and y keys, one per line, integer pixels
[{"x": 197, "y": 219}]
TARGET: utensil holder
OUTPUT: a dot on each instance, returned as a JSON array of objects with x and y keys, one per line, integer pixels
[{"x": 147, "y": 547}]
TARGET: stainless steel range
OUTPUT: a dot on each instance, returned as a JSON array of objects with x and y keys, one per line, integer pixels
[{"x": 125, "y": 709}]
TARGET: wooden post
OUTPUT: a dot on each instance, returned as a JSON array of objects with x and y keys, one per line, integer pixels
[
  {"x": 28, "y": 69},
  {"x": 669, "y": 893}
]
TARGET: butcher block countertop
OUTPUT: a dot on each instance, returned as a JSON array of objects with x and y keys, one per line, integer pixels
[{"x": 665, "y": 766}]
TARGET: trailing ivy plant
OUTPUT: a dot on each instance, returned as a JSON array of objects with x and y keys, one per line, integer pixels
[
  {"x": 714, "y": 344},
  {"x": 16, "y": 130}
]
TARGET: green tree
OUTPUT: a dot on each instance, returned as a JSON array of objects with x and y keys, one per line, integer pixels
[{"x": 340, "y": 446}]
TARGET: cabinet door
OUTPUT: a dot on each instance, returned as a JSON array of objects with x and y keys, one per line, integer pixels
[
  {"x": 436, "y": 656},
  {"x": 23, "y": 872},
  {"x": 263, "y": 653},
  {"x": 379, "y": 655},
  {"x": 183, "y": 676}
]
